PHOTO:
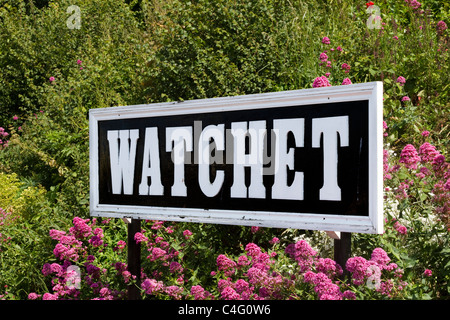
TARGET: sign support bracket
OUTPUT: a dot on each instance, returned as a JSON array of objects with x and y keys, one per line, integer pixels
[{"x": 343, "y": 249}]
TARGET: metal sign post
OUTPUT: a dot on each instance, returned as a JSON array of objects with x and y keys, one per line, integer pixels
[{"x": 343, "y": 249}]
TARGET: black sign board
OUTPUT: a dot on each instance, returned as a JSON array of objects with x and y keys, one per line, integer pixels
[{"x": 307, "y": 159}]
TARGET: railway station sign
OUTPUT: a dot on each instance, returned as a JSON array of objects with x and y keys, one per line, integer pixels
[{"x": 306, "y": 159}]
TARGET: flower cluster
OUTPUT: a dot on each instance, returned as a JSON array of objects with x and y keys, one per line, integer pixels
[
  {"x": 78, "y": 270},
  {"x": 321, "y": 82},
  {"x": 441, "y": 27},
  {"x": 427, "y": 167},
  {"x": 328, "y": 59},
  {"x": 409, "y": 157},
  {"x": 401, "y": 80},
  {"x": 3, "y": 141},
  {"x": 259, "y": 283},
  {"x": 414, "y": 4},
  {"x": 254, "y": 275},
  {"x": 377, "y": 273}
]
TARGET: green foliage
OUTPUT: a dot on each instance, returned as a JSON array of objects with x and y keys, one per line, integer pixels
[
  {"x": 133, "y": 52},
  {"x": 24, "y": 228}
]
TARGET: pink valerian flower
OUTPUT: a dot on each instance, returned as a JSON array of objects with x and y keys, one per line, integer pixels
[
  {"x": 425, "y": 133},
  {"x": 254, "y": 229},
  {"x": 229, "y": 293},
  {"x": 323, "y": 57},
  {"x": 349, "y": 295},
  {"x": 414, "y": 4},
  {"x": 380, "y": 257},
  {"x": 309, "y": 277},
  {"x": 328, "y": 267},
  {"x": 79, "y": 62},
  {"x": 385, "y": 127},
  {"x": 303, "y": 250},
  {"x": 93, "y": 271},
  {"x": 400, "y": 228},
  {"x": 406, "y": 98},
  {"x": 226, "y": 264},
  {"x": 241, "y": 285},
  {"x": 427, "y": 152},
  {"x": 174, "y": 292},
  {"x": 157, "y": 253},
  {"x": 441, "y": 27},
  {"x": 256, "y": 275},
  {"x": 120, "y": 245},
  {"x": 187, "y": 234},
  {"x": 65, "y": 252},
  {"x": 427, "y": 273},
  {"x": 304, "y": 255},
  {"x": 33, "y": 296},
  {"x": 175, "y": 267},
  {"x": 68, "y": 248},
  {"x": 80, "y": 228},
  {"x": 51, "y": 79},
  {"x": 401, "y": 190},
  {"x": 55, "y": 268},
  {"x": 199, "y": 293},
  {"x": 140, "y": 237},
  {"x": 321, "y": 82},
  {"x": 409, "y": 157},
  {"x": 345, "y": 67},
  {"x": 339, "y": 49},
  {"x": 326, "y": 40},
  {"x": 243, "y": 261},
  {"x": 395, "y": 37},
  {"x": 274, "y": 240},
  {"x": 56, "y": 234},
  {"x": 152, "y": 286},
  {"x": 358, "y": 267},
  {"x": 325, "y": 288},
  {"x": 122, "y": 271},
  {"x": 157, "y": 225},
  {"x": 386, "y": 168},
  {"x": 223, "y": 283},
  {"x": 252, "y": 249},
  {"x": 97, "y": 239},
  {"x": 439, "y": 165},
  {"x": 247, "y": 292},
  {"x": 49, "y": 296},
  {"x": 346, "y": 81},
  {"x": 401, "y": 80},
  {"x": 15, "y": 118}
]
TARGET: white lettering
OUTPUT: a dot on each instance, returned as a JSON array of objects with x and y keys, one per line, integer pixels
[
  {"x": 122, "y": 154},
  {"x": 182, "y": 139},
  {"x": 254, "y": 160},
  {"x": 285, "y": 159},
  {"x": 330, "y": 128},
  {"x": 210, "y": 189},
  {"x": 151, "y": 166}
]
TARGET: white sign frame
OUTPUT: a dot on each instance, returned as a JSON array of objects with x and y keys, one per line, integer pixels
[{"x": 373, "y": 223}]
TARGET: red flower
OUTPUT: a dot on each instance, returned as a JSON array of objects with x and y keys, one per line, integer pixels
[{"x": 368, "y": 4}]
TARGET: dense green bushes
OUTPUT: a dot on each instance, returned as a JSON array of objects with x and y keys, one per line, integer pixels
[{"x": 134, "y": 52}]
